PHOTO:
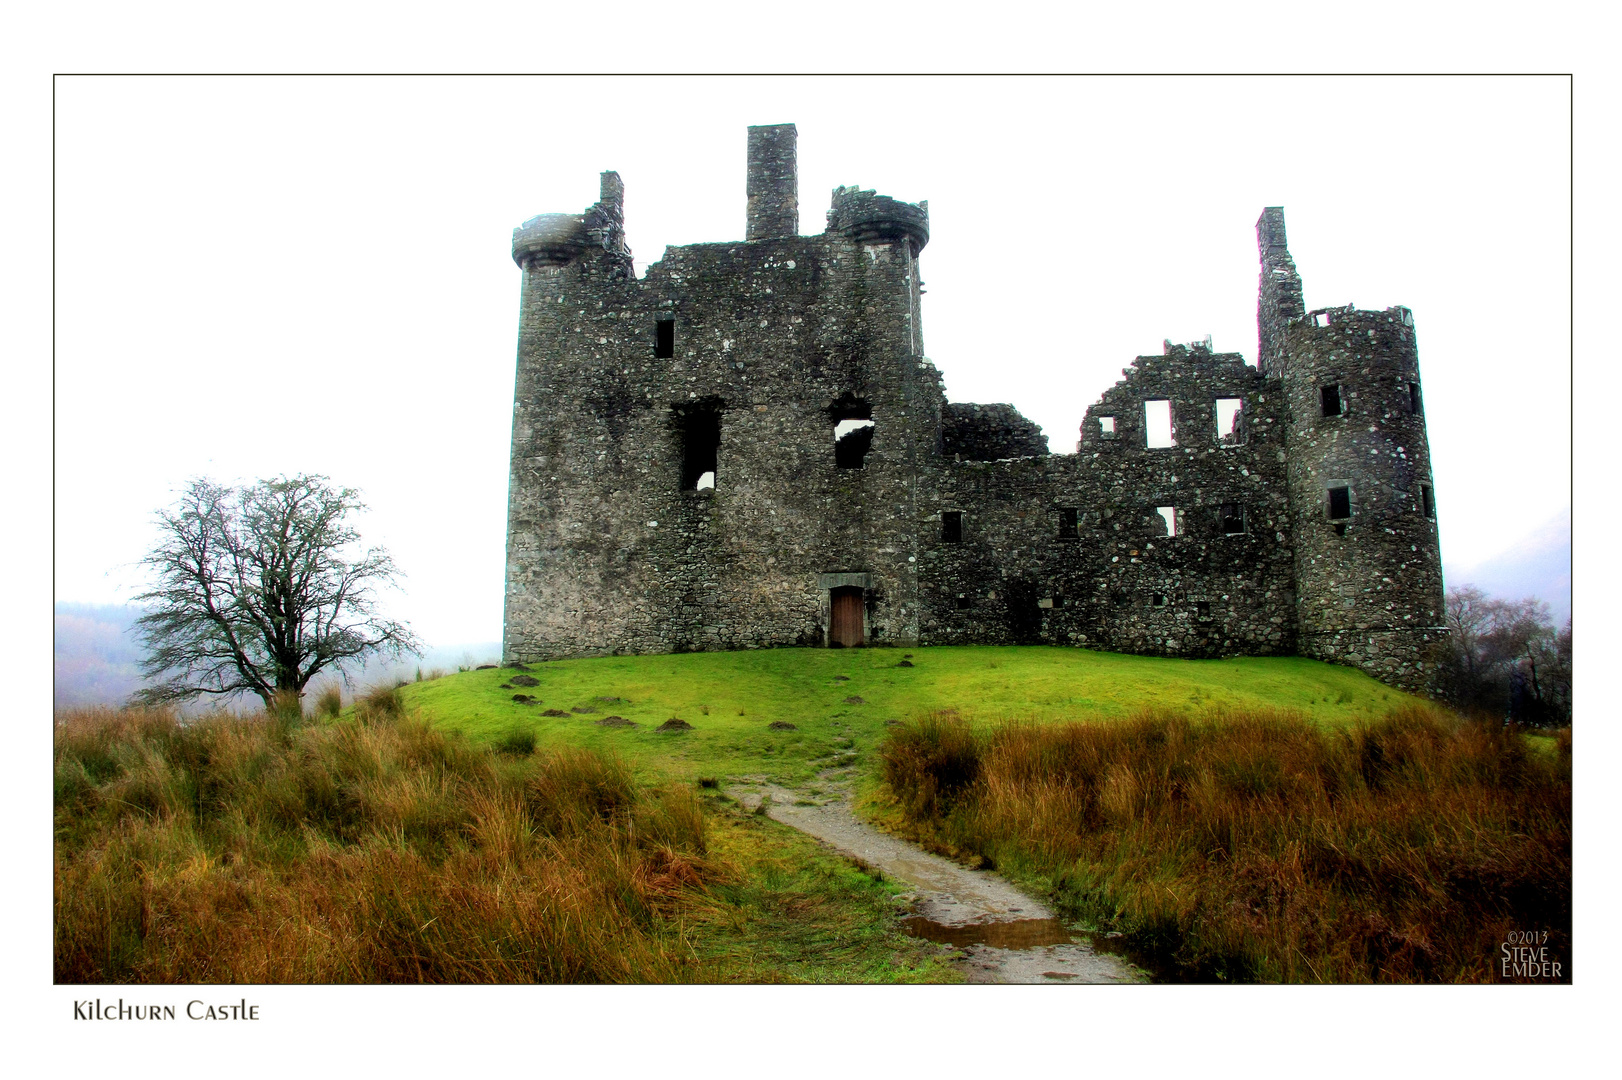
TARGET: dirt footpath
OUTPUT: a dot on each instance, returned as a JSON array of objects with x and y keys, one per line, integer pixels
[{"x": 1005, "y": 936}]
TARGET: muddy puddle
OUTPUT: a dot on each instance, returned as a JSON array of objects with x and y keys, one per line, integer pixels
[{"x": 1013, "y": 934}]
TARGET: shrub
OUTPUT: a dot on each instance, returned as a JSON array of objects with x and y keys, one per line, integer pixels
[
  {"x": 519, "y": 742},
  {"x": 330, "y": 704}
]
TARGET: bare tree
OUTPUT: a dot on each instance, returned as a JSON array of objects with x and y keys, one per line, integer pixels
[
  {"x": 1504, "y": 657},
  {"x": 259, "y": 588}
]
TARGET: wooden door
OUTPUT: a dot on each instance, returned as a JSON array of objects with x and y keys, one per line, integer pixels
[{"x": 845, "y": 616}]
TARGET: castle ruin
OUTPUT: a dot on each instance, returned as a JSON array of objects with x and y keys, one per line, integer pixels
[{"x": 748, "y": 448}]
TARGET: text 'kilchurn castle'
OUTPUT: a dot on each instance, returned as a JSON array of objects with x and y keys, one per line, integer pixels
[{"x": 748, "y": 448}]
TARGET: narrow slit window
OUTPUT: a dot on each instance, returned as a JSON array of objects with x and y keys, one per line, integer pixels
[
  {"x": 1427, "y": 501},
  {"x": 700, "y": 432},
  {"x": 1340, "y": 502},
  {"x": 1329, "y": 396},
  {"x": 1233, "y": 519},
  {"x": 1230, "y": 418},
  {"x": 952, "y": 526},
  {"x": 664, "y": 339},
  {"x": 1413, "y": 398},
  {"x": 1202, "y": 609},
  {"x": 1067, "y": 523},
  {"x": 1171, "y": 517},
  {"x": 1106, "y": 427},
  {"x": 963, "y": 602},
  {"x": 1157, "y": 429}
]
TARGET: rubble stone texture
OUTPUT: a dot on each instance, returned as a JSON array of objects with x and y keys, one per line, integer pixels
[{"x": 685, "y": 486}]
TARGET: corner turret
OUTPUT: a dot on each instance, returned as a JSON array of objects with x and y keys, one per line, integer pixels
[
  {"x": 866, "y": 217},
  {"x": 559, "y": 239}
]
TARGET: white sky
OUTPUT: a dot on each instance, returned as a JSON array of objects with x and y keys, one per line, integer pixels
[{"x": 257, "y": 276}]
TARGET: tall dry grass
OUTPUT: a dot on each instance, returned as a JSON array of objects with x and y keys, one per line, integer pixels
[
  {"x": 1258, "y": 847},
  {"x": 266, "y": 849}
]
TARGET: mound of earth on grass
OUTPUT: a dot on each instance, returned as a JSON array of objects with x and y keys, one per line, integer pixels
[
  {"x": 584, "y": 710},
  {"x": 905, "y": 663},
  {"x": 484, "y": 667},
  {"x": 525, "y": 699},
  {"x": 615, "y": 721},
  {"x": 675, "y": 723},
  {"x": 505, "y": 686},
  {"x": 611, "y": 700},
  {"x": 781, "y": 725},
  {"x": 524, "y": 680},
  {"x": 855, "y": 699},
  {"x": 554, "y": 712},
  {"x": 516, "y": 666},
  {"x": 841, "y": 678}
]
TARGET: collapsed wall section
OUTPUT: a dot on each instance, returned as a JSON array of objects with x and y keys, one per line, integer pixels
[
  {"x": 1180, "y": 550},
  {"x": 989, "y": 433}
]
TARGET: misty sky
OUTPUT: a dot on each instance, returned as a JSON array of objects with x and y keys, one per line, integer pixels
[{"x": 265, "y": 276}]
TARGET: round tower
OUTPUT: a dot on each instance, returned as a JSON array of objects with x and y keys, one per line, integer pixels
[
  {"x": 1363, "y": 504},
  {"x": 1368, "y": 560}
]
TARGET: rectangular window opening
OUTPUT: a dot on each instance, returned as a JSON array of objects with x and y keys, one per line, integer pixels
[
  {"x": 664, "y": 339},
  {"x": 1157, "y": 429},
  {"x": 852, "y": 440},
  {"x": 1202, "y": 609},
  {"x": 1172, "y": 518},
  {"x": 1233, "y": 519},
  {"x": 1067, "y": 523},
  {"x": 1340, "y": 502},
  {"x": 962, "y": 602},
  {"x": 1427, "y": 500},
  {"x": 852, "y": 418},
  {"x": 700, "y": 431},
  {"x": 1230, "y": 415},
  {"x": 1330, "y": 397},
  {"x": 1158, "y": 600},
  {"x": 952, "y": 526},
  {"x": 1413, "y": 398},
  {"x": 1106, "y": 426}
]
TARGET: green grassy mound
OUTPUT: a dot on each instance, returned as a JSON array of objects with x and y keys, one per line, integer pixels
[{"x": 731, "y": 699}]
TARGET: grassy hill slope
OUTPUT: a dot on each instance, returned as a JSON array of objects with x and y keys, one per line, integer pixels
[{"x": 732, "y": 698}]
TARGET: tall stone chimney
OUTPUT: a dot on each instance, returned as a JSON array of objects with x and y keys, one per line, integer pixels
[{"x": 774, "y": 183}]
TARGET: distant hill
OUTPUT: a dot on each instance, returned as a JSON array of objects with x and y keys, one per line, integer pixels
[
  {"x": 97, "y": 657},
  {"x": 1538, "y": 565}
]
